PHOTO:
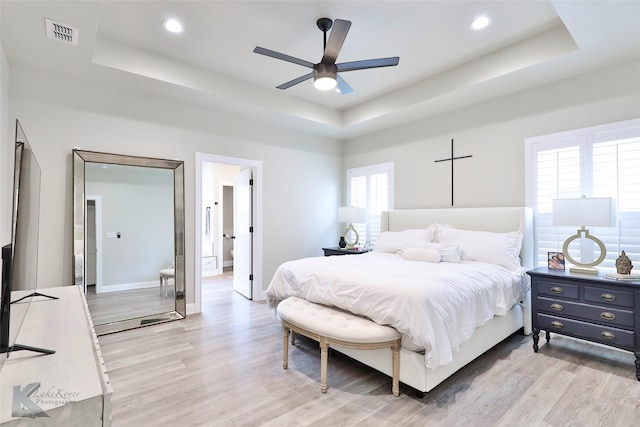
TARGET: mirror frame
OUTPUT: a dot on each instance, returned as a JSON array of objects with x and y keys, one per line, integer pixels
[{"x": 80, "y": 159}]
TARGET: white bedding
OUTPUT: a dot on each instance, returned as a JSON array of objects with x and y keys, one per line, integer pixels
[{"x": 435, "y": 306}]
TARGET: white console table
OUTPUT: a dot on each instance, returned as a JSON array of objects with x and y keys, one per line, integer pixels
[{"x": 74, "y": 387}]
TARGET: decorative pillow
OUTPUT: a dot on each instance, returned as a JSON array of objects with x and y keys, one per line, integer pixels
[
  {"x": 421, "y": 254},
  {"x": 485, "y": 246},
  {"x": 395, "y": 241},
  {"x": 448, "y": 253}
]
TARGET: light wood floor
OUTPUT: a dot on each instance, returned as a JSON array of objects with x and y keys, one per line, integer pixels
[
  {"x": 122, "y": 305},
  {"x": 224, "y": 368}
]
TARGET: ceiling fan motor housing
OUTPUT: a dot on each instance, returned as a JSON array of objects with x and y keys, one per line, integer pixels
[{"x": 325, "y": 70}]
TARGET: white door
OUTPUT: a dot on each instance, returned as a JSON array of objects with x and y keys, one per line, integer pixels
[
  {"x": 91, "y": 243},
  {"x": 242, "y": 231}
]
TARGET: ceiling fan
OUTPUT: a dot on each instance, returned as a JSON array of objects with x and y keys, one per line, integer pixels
[{"x": 325, "y": 73}]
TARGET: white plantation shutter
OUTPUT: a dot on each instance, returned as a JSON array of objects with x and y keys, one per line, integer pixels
[
  {"x": 603, "y": 161},
  {"x": 370, "y": 187}
]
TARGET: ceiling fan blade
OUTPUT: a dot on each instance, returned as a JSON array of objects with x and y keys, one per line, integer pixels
[
  {"x": 294, "y": 82},
  {"x": 282, "y": 56},
  {"x": 343, "y": 87},
  {"x": 336, "y": 39},
  {"x": 368, "y": 63}
]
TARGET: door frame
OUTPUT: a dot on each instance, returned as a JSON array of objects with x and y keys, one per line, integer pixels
[
  {"x": 97, "y": 202},
  {"x": 256, "y": 166}
]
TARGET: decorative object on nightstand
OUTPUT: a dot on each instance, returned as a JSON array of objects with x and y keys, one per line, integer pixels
[
  {"x": 555, "y": 260},
  {"x": 586, "y": 307},
  {"x": 599, "y": 212},
  {"x": 351, "y": 215},
  {"x": 623, "y": 264},
  {"x": 342, "y": 243}
]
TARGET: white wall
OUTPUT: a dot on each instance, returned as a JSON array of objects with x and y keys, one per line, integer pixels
[
  {"x": 136, "y": 202},
  {"x": 301, "y": 174},
  {"x": 493, "y": 133}
]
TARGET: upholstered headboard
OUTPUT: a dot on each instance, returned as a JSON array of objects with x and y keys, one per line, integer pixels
[{"x": 499, "y": 220}]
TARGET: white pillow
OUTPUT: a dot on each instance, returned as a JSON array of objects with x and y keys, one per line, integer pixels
[
  {"x": 421, "y": 254},
  {"x": 434, "y": 230},
  {"x": 395, "y": 241},
  {"x": 485, "y": 246},
  {"x": 448, "y": 253}
]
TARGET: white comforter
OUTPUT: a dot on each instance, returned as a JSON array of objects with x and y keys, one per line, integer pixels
[{"x": 435, "y": 306}]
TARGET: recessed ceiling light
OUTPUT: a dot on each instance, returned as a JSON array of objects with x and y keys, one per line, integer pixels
[
  {"x": 480, "y": 22},
  {"x": 172, "y": 25}
]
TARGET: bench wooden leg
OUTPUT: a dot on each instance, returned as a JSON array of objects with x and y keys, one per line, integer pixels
[
  {"x": 395, "y": 388},
  {"x": 285, "y": 347},
  {"x": 324, "y": 356}
]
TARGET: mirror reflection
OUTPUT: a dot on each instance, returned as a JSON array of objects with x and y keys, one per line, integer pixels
[{"x": 127, "y": 230}]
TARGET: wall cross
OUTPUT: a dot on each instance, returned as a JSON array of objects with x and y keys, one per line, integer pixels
[{"x": 451, "y": 159}]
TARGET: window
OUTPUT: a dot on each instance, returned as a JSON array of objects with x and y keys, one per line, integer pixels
[
  {"x": 370, "y": 187},
  {"x": 603, "y": 161}
]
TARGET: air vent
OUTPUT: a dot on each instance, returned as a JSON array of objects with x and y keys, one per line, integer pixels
[{"x": 61, "y": 32}]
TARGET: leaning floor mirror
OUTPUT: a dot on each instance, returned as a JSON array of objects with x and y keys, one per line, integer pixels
[{"x": 128, "y": 243}]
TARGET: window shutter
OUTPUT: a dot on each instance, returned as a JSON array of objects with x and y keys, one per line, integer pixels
[
  {"x": 371, "y": 187},
  {"x": 597, "y": 162}
]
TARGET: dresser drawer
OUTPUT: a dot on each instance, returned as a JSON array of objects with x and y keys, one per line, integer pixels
[
  {"x": 558, "y": 289},
  {"x": 575, "y": 328},
  {"x": 609, "y": 296},
  {"x": 599, "y": 314}
]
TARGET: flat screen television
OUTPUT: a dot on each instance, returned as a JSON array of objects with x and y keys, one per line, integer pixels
[{"x": 20, "y": 256}]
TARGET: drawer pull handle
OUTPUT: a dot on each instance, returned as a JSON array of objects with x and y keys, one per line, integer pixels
[
  {"x": 558, "y": 325},
  {"x": 557, "y": 290},
  {"x": 557, "y": 307},
  {"x": 608, "y": 316},
  {"x": 608, "y": 335},
  {"x": 608, "y": 297}
]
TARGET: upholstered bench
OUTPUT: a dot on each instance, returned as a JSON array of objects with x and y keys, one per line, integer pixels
[{"x": 330, "y": 326}]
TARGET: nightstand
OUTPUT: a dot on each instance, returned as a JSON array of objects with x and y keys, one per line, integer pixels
[
  {"x": 588, "y": 307},
  {"x": 341, "y": 251}
]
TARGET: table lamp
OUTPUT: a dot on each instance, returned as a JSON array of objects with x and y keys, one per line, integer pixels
[
  {"x": 592, "y": 211},
  {"x": 351, "y": 215}
]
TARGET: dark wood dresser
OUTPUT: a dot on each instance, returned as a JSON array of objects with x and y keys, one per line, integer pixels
[{"x": 592, "y": 308}]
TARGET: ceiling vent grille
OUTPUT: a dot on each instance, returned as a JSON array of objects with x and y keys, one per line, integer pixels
[{"x": 61, "y": 32}]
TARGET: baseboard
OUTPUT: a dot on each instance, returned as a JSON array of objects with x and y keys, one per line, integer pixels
[
  {"x": 129, "y": 286},
  {"x": 191, "y": 309}
]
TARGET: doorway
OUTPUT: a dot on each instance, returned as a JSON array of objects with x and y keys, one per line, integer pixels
[
  {"x": 94, "y": 244},
  {"x": 216, "y": 236}
]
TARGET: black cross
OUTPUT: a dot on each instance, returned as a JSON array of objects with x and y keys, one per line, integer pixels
[{"x": 451, "y": 159}]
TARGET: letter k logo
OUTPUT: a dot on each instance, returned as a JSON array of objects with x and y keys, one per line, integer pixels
[{"x": 23, "y": 406}]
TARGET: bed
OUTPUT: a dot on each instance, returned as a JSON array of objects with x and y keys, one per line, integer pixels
[{"x": 451, "y": 300}]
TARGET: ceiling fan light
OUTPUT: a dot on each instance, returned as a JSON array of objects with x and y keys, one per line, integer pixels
[
  {"x": 325, "y": 76},
  {"x": 325, "y": 83}
]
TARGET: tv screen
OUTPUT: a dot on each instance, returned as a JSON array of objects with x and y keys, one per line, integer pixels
[{"x": 20, "y": 256}]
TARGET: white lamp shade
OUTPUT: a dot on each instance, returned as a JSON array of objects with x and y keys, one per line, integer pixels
[
  {"x": 352, "y": 215},
  {"x": 594, "y": 211}
]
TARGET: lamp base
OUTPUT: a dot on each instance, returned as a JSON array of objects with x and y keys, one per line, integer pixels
[
  {"x": 584, "y": 270},
  {"x": 583, "y": 267},
  {"x": 351, "y": 243}
]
